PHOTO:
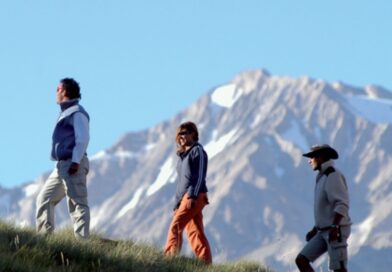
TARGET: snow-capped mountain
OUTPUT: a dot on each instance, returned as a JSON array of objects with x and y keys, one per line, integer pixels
[{"x": 254, "y": 129}]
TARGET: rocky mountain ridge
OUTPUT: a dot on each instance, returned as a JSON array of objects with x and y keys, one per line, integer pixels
[{"x": 254, "y": 129}]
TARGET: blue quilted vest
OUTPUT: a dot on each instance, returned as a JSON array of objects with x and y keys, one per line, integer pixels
[{"x": 63, "y": 139}]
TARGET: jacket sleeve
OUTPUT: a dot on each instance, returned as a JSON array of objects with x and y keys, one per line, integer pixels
[
  {"x": 82, "y": 136},
  {"x": 337, "y": 193},
  {"x": 198, "y": 167}
]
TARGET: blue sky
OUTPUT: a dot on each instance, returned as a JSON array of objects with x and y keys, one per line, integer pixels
[{"x": 141, "y": 62}]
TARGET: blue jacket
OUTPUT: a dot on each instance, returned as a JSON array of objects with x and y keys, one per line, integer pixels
[
  {"x": 192, "y": 171},
  {"x": 64, "y": 133}
]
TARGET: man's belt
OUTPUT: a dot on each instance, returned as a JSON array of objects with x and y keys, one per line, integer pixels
[
  {"x": 328, "y": 228},
  {"x": 324, "y": 229}
]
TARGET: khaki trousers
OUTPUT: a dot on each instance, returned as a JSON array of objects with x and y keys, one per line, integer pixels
[
  {"x": 58, "y": 185},
  {"x": 192, "y": 221}
]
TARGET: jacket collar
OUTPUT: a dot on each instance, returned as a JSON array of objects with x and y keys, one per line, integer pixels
[
  {"x": 324, "y": 167},
  {"x": 67, "y": 104},
  {"x": 189, "y": 150}
]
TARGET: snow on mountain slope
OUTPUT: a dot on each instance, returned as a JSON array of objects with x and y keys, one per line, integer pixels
[
  {"x": 226, "y": 96},
  {"x": 254, "y": 129},
  {"x": 373, "y": 109}
]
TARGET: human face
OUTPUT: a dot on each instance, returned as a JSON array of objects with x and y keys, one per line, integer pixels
[
  {"x": 315, "y": 163},
  {"x": 60, "y": 94},
  {"x": 185, "y": 138}
]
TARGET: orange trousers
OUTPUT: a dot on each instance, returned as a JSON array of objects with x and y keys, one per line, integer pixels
[{"x": 192, "y": 221}]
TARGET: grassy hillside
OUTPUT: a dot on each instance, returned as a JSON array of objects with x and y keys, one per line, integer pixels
[{"x": 21, "y": 249}]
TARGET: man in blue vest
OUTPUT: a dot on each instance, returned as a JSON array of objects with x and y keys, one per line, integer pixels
[{"x": 70, "y": 141}]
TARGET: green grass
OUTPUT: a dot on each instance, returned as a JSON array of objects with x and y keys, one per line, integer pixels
[{"x": 22, "y": 249}]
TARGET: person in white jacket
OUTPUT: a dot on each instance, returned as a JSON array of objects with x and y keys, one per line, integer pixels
[{"x": 331, "y": 213}]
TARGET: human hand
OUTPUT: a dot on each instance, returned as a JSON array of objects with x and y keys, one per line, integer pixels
[
  {"x": 311, "y": 234},
  {"x": 73, "y": 168},
  {"x": 191, "y": 203},
  {"x": 334, "y": 233}
]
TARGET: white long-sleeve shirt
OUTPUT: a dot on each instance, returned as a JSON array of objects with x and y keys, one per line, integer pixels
[{"x": 82, "y": 136}]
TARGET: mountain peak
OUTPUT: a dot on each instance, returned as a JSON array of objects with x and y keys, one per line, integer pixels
[{"x": 255, "y": 129}]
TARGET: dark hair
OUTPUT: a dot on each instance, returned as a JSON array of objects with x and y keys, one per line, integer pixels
[
  {"x": 192, "y": 129},
  {"x": 71, "y": 87}
]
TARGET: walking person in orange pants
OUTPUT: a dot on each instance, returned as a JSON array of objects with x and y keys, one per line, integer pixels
[{"x": 191, "y": 195}]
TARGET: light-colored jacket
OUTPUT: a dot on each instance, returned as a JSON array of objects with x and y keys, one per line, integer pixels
[{"x": 330, "y": 196}]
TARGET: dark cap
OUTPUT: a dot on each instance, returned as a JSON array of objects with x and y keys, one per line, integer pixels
[{"x": 322, "y": 150}]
